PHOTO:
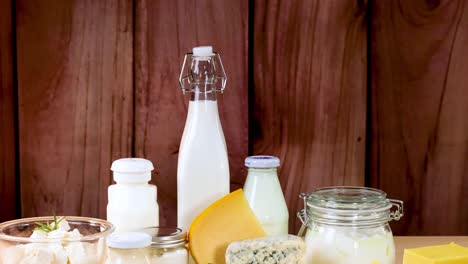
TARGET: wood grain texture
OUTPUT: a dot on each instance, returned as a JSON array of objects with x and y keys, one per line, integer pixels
[
  {"x": 419, "y": 112},
  {"x": 8, "y": 201},
  {"x": 76, "y": 102},
  {"x": 310, "y": 93},
  {"x": 165, "y": 31}
]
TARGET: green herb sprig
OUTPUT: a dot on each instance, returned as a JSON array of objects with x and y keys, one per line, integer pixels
[{"x": 49, "y": 227}]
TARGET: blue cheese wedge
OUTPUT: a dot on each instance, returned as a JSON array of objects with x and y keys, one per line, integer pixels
[{"x": 286, "y": 249}]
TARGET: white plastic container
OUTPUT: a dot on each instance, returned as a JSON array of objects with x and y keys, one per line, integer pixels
[
  {"x": 129, "y": 247},
  {"x": 203, "y": 166},
  {"x": 264, "y": 194},
  {"x": 132, "y": 201}
]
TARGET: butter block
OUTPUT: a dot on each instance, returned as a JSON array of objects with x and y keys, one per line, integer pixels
[{"x": 443, "y": 254}]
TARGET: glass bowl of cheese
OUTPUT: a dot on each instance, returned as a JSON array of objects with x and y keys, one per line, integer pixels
[{"x": 54, "y": 240}]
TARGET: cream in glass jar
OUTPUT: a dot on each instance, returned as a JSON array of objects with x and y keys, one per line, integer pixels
[
  {"x": 348, "y": 225},
  {"x": 129, "y": 247},
  {"x": 264, "y": 194},
  {"x": 169, "y": 245}
]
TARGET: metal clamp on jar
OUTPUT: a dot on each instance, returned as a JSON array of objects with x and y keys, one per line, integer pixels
[
  {"x": 349, "y": 225},
  {"x": 169, "y": 245}
]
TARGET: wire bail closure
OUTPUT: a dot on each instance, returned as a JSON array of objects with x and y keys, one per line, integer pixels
[
  {"x": 219, "y": 81},
  {"x": 303, "y": 215},
  {"x": 399, "y": 213}
]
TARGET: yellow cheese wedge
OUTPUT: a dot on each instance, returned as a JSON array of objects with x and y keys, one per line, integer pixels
[
  {"x": 443, "y": 254},
  {"x": 227, "y": 220}
]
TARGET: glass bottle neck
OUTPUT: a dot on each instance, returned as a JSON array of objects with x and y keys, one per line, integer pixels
[
  {"x": 263, "y": 171},
  {"x": 203, "y": 93}
]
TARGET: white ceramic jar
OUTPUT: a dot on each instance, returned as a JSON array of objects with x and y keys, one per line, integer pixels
[
  {"x": 132, "y": 201},
  {"x": 349, "y": 225},
  {"x": 264, "y": 194}
]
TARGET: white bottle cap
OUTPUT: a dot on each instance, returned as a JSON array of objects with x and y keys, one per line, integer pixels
[
  {"x": 132, "y": 170},
  {"x": 203, "y": 51},
  {"x": 129, "y": 240},
  {"x": 262, "y": 162}
]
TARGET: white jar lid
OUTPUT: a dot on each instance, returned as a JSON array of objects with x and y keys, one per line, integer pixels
[
  {"x": 129, "y": 240},
  {"x": 203, "y": 51},
  {"x": 132, "y": 170},
  {"x": 262, "y": 161}
]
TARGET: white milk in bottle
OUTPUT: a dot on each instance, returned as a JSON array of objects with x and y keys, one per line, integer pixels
[
  {"x": 264, "y": 194},
  {"x": 132, "y": 201},
  {"x": 203, "y": 167}
]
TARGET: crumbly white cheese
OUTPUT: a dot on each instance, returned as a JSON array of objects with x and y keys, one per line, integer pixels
[
  {"x": 286, "y": 249},
  {"x": 53, "y": 253}
]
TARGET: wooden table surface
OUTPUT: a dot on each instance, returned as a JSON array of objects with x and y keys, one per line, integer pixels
[{"x": 403, "y": 242}]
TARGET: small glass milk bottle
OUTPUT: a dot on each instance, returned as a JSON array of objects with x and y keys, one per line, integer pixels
[
  {"x": 263, "y": 192},
  {"x": 203, "y": 166}
]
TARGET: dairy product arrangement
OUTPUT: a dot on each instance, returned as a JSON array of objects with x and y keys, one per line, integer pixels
[{"x": 341, "y": 225}]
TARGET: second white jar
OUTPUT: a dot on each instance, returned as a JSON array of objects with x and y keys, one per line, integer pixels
[
  {"x": 132, "y": 201},
  {"x": 129, "y": 247},
  {"x": 169, "y": 245},
  {"x": 264, "y": 194}
]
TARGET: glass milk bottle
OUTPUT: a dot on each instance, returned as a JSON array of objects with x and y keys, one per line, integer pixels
[
  {"x": 132, "y": 201},
  {"x": 203, "y": 167},
  {"x": 263, "y": 192}
]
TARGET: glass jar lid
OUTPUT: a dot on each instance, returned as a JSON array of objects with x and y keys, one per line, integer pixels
[
  {"x": 167, "y": 237},
  {"x": 344, "y": 205},
  {"x": 348, "y": 198}
]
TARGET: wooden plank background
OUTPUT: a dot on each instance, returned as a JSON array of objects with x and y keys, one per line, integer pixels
[
  {"x": 419, "y": 114},
  {"x": 75, "y": 65},
  {"x": 345, "y": 92},
  {"x": 8, "y": 206}
]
